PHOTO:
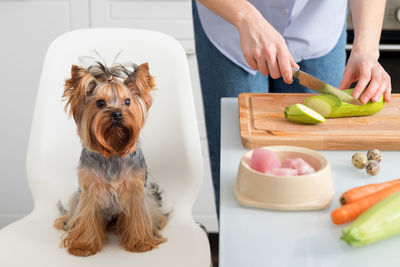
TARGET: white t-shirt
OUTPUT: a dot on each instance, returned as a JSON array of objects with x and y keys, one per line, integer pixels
[{"x": 311, "y": 28}]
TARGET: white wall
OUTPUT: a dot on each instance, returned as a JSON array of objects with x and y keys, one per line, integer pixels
[{"x": 26, "y": 29}]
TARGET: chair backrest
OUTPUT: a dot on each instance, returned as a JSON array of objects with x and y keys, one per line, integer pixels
[{"x": 170, "y": 138}]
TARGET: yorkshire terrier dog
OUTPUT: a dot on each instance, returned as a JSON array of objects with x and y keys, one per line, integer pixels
[{"x": 109, "y": 106}]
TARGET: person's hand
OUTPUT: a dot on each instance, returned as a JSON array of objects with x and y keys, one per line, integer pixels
[
  {"x": 264, "y": 48},
  {"x": 364, "y": 68}
]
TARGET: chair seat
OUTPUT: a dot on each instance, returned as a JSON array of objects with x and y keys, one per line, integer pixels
[{"x": 33, "y": 242}]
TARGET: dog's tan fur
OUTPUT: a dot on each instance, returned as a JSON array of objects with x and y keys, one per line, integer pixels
[{"x": 139, "y": 218}]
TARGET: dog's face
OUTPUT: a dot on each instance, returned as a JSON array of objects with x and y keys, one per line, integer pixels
[{"x": 109, "y": 105}]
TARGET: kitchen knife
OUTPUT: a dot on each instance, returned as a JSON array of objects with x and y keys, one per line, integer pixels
[{"x": 315, "y": 84}]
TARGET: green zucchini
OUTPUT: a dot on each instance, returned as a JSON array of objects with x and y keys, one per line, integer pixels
[
  {"x": 302, "y": 114},
  {"x": 330, "y": 106},
  {"x": 379, "y": 222}
]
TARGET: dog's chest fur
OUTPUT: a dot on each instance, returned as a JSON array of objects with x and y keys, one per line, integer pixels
[{"x": 113, "y": 167}]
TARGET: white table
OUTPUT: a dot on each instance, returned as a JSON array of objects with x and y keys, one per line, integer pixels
[{"x": 251, "y": 237}]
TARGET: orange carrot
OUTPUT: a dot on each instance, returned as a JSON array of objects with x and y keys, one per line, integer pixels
[
  {"x": 350, "y": 212},
  {"x": 363, "y": 191}
]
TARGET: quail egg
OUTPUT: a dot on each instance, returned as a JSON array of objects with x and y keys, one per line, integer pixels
[
  {"x": 359, "y": 160},
  {"x": 372, "y": 167},
  {"x": 374, "y": 154}
]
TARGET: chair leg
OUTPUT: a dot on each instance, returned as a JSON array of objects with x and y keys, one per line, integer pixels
[{"x": 203, "y": 227}]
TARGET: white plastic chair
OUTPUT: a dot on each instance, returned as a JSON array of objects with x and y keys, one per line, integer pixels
[{"x": 170, "y": 142}]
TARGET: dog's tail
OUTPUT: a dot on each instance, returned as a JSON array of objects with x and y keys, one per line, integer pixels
[
  {"x": 73, "y": 202},
  {"x": 61, "y": 208},
  {"x": 156, "y": 192}
]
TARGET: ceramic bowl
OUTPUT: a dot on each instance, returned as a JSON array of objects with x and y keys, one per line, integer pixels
[{"x": 303, "y": 192}]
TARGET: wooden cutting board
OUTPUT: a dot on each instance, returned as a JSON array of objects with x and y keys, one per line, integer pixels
[{"x": 262, "y": 123}]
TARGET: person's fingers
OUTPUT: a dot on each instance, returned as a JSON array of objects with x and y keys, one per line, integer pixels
[
  {"x": 293, "y": 63},
  {"x": 250, "y": 60},
  {"x": 252, "y": 63},
  {"x": 388, "y": 91},
  {"x": 272, "y": 63},
  {"x": 363, "y": 80},
  {"x": 374, "y": 84},
  {"x": 380, "y": 90},
  {"x": 348, "y": 78},
  {"x": 262, "y": 64},
  {"x": 285, "y": 66}
]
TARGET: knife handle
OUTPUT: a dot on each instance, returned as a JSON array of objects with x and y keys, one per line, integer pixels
[{"x": 295, "y": 72}]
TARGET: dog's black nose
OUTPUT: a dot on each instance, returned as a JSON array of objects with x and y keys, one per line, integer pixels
[{"x": 116, "y": 116}]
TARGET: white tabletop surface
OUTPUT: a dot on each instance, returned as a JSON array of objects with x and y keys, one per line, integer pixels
[{"x": 251, "y": 237}]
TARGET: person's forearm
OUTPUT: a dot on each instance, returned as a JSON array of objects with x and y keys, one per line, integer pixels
[
  {"x": 367, "y": 21},
  {"x": 263, "y": 47},
  {"x": 233, "y": 11}
]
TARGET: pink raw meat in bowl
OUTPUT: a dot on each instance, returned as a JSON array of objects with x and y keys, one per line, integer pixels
[
  {"x": 263, "y": 160},
  {"x": 267, "y": 161},
  {"x": 299, "y": 164}
]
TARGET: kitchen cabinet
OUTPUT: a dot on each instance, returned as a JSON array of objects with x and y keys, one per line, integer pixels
[{"x": 26, "y": 28}]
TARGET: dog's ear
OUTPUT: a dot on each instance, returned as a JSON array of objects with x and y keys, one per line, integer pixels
[
  {"x": 140, "y": 83},
  {"x": 76, "y": 88}
]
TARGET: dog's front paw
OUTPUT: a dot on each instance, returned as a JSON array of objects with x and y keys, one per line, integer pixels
[
  {"x": 81, "y": 247},
  {"x": 143, "y": 246},
  {"x": 82, "y": 251}
]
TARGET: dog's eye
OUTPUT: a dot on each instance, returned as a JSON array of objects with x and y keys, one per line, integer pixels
[
  {"x": 127, "y": 101},
  {"x": 100, "y": 103}
]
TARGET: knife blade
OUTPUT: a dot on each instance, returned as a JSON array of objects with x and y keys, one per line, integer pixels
[{"x": 315, "y": 84}]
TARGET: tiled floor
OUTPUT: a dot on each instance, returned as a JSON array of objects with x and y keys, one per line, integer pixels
[{"x": 214, "y": 241}]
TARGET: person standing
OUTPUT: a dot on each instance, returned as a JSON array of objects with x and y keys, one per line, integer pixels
[{"x": 251, "y": 46}]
